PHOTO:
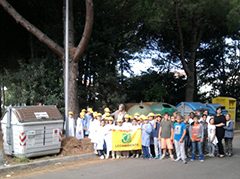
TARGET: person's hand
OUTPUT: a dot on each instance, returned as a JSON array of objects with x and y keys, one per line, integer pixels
[
  {"x": 144, "y": 128},
  {"x": 193, "y": 140},
  {"x": 85, "y": 128},
  {"x": 79, "y": 132},
  {"x": 171, "y": 138},
  {"x": 180, "y": 140},
  {"x": 201, "y": 141},
  {"x": 159, "y": 137}
]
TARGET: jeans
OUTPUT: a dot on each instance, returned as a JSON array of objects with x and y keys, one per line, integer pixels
[
  {"x": 199, "y": 146},
  {"x": 104, "y": 149},
  {"x": 157, "y": 146},
  {"x": 145, "y": 152},
  {"x": 228, "y": 145},
  {"x": 211, "y": 148}
]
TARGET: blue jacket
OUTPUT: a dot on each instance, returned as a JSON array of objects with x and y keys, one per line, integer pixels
[
  {"x": 229, "y": 130},
  {"x": 86, "y": 122},
  {"x": 146, "y": 134}
]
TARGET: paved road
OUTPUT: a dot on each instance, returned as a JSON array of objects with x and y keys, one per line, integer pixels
[{"x": 212, "y": 168}]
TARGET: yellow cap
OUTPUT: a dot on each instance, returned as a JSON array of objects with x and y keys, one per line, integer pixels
[
  {"x": 107, "y": 115},
  {"x": 83, "y": 110},
  {"x": 106, "y": 118},
  {"x": 110, "y": 118},
  {"x": 151, "y": 114},
  {"x": 95, "y": 114},
  {"x": 99, "y": 114},
  {"x": 106, "y": 110},
  {"x": 131, "y": 117},
  {"x": 145, "y": 118},
  {"x": 126, "y": 116},
  {"x": 82, "y": 114},
  {"x": 141, "y": 117},
  {"x": 119, "y": 120},
  {"x": 136, "y": 114},
  {"x": 90, "y": 110},
  {"x": 158, "y": 115},
  {"x": 70, "y": 112}
]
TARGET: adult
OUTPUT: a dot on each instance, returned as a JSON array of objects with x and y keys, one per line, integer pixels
[
  {"x": 220, "y": 121},
  {"x": 120, "y": 113}
]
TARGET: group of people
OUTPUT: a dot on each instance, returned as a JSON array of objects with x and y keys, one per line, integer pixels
[{"x": 185, "y": 137}]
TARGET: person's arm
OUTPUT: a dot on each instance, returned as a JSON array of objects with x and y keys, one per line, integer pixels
[
  {"x": 229, "y": 127},
  {"x": 220, "y": 125},
  {"x": 214, "y": 133},
  {"x": 202, "y": 131},
  {"x": 159, "y": 132},
  {"x": 154, "y": 124},
  {"x": 184, "y": 133}
]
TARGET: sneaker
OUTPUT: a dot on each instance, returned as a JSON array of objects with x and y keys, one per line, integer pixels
[
  {"x": 229, "y": 155},
  {"x": 192, "y": 159},
  {"x": 156, "y": 157},
  {"x": 106, "y": 157},
  {"x": 188, "y": 155},
  {"x": 176, "y": 160},
  {"x": 95, "y": 152},
  {"x": 171, "y": 158},
  {"x": 163, "y": 156},
  {"x": 149, "y": 158},
  {"x": 118, "y": 156},
  {"x": 133, "y": 155},
  {"x": 159, "y": 156},
  {"x": 113, "y": 157},
  {"x": 137, "y": 156},
  {"x": 201, "y": 159},
  {"x": 101, "y": 157},
  {"x": 184, "y": 162},
  {"x": 211, "y": 155}
]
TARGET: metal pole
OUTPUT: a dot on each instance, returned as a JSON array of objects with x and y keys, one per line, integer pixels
[{"x": 66, "y": 67}]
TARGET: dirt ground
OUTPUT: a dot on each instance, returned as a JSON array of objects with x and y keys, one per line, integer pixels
[{"x": 70, "y": 146}]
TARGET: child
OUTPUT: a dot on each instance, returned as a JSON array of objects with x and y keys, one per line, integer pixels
[
  {"x": 71, "y": 125},
  {"x": 126, "y": 126},
  {"x": 205, "y": 130},
  {"x": 135, "y": 127},
  {"x": 179, "y": 130},
  {"x": 228, "y": 137},
  {"x": 93, "y": 131},
  {"x": 166, "y": 136},
  {"x": 108, "y": 137},
  {"x": 196, "y": 135},
  {"x": 146, "y": 133},
  {"x": 101, "y": 143},
  {"x": 79, "y": 126},
  {"x": 118, "y": 127},
  {"x": 157, "y": 142},
  {"x": 212, "y": 139},
  {"x": 88, "y": 118},
  {"x": 187, "y": 142}
]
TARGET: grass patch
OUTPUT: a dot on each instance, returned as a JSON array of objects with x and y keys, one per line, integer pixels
[{"x": 20, "y": 159}]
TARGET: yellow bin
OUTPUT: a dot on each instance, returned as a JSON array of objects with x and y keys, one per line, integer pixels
[{"x": 230, "y": 105}]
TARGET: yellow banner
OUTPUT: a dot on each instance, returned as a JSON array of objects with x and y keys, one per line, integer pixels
[{"x": 126, "y": 140}]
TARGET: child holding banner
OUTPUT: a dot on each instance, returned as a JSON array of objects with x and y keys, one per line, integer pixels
[
  {"x": 108, "y": 137},
  {"x": 126, "y": 126},
  {"x": 135, "y": 126},
  {"x": 146, "y": 134},
  {"x": 118, "y": 127}
]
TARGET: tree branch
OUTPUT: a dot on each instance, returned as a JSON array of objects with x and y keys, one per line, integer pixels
[
  {"x": 34, "y": 30},
  {"x": 87, "y": 31}
]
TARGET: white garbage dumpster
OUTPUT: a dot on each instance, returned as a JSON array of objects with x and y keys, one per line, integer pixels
[{"x": 32, "y": 131}]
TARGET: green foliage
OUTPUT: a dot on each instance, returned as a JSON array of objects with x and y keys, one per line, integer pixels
[
  {"x": 35, "y": 82},
  {"x": 157, "y": 87},
  {"x": 20, "y": 159}
]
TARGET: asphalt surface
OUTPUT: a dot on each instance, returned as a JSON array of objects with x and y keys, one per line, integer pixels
[{"x": 220, "y": 168}]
